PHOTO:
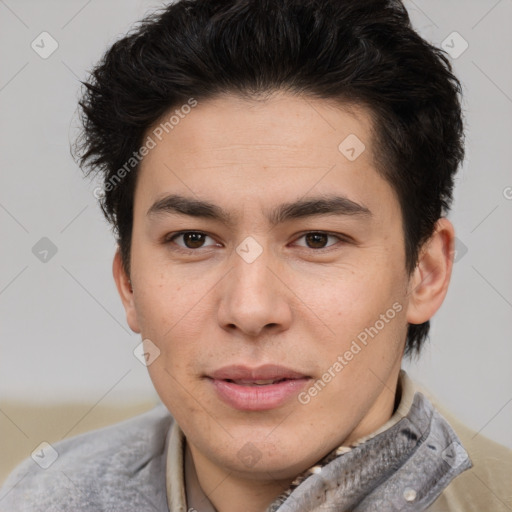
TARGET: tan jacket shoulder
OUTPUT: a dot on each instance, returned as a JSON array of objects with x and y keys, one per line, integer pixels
[{"x": 487, "y": 486}]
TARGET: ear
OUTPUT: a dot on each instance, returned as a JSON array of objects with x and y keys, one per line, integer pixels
[
  {"x": 124, "y": 287},
  {"x": 431, "y": 277}
]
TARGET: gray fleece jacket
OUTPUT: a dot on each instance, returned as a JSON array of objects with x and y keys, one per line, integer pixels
[{"x": 116, "y": 469}]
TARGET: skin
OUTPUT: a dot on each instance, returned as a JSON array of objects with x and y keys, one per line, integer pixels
[{"x": 298, "y": 304}]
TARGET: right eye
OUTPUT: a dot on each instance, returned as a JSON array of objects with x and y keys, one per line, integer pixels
[{"x": 191, "y": 240}]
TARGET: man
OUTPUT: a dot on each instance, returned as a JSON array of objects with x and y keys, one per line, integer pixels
[{"x": 278, "y": 175}]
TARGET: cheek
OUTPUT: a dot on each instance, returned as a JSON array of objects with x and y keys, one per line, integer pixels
[
  {"x": 175, "y": 391},
  {"x": 164, "y": 300},
  {"x": 347, "y": 300},
  {"x": 365, "y": 316}
]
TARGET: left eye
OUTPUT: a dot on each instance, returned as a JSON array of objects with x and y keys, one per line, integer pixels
[
  {"x": 318, "y": 240},
  {"x": 191, "y": 239}
]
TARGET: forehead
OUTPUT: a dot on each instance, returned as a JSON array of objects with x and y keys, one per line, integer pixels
[
  {"x": 282, "y": 124},
  {"x": 263, "y": 151}
]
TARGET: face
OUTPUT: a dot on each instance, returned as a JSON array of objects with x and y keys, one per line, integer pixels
[{"x": 279, "y": 307}]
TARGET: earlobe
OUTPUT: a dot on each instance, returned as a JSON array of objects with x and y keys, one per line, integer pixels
[
  {"x": 125, "y": 290},
  {"x": 429, "y": 281}
]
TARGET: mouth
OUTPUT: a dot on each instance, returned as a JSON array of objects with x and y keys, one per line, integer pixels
[
  {"x": 257, "y": 389},
  {"x": 265, "y": 382}
]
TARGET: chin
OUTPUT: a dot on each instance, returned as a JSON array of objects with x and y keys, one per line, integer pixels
[
  {"x": 259, "y": 460},
  {"x": 262, "y": 468}
]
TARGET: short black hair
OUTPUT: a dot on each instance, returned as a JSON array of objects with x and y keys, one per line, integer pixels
[{"x": 358, "y": 52}]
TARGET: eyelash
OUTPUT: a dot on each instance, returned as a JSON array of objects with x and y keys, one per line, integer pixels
[{"x": 168, "y": 239}]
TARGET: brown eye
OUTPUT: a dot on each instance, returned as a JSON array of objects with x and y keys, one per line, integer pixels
[
  {"x": 193, "y": 240},
  {"x": 316, "y": 240},
  {"x": 190, "y": 240},
  {"x": 319, "y": 240}
]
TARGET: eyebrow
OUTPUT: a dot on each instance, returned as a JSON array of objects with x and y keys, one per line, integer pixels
[{"x": 302, "y": 208}]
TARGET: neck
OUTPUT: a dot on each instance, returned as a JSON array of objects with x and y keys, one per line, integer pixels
[{"x": 229, "y": 492}]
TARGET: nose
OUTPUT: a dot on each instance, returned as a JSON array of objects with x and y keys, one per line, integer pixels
[{"x": 254, "y": 300}]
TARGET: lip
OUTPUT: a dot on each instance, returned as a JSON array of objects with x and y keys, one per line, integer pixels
[{"x": 246, "y": 397}]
